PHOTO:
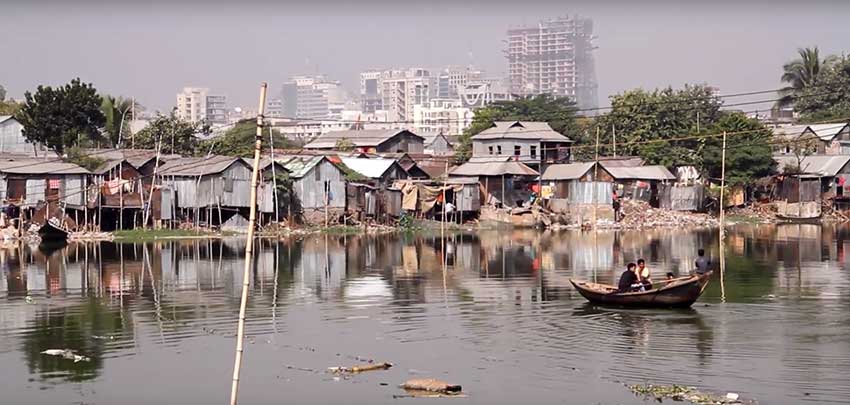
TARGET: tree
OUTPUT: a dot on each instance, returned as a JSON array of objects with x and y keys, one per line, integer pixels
[
  {"x": 2, "y": 93},
  {"x": 645, "y": 122},
  {"x": 62, "y": 117},
  {"x": 117, "y": 119},
  {"x": 177, "y": 136},
  {"x": 10, "y": 107},
  {"x": 830, "y": 100},
  {"x": 239, "y": 140},
  {"x": 802, "y": 73},
  {"x": 344, "y": 145},
  {"x": 558, "y": 112},
  {"x": 748, "y": 151}
]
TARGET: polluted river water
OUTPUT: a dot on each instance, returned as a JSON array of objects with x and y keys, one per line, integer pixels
[{"x": 492, "y": 311}]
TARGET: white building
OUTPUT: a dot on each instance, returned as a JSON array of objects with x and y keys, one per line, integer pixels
[
  {"x": 196, "y": 104},
  {"x": 274, "y": 108},
  {"x": 312, "y": 97},
  {"x": 370, "y": 91},
  {"x": 12, "y": 138},
  {"x": 402, "y": 89},
  {"x": 452, "y": 78},
  {"x": 441, "y": 116},
  {"x": 480, "y": 93}
]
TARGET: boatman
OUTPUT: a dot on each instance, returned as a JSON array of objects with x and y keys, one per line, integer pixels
[
  {"x": 703, "y": 264},
  {"x": 628, "y": 279}
]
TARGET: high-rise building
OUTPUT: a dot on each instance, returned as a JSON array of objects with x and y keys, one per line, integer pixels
[
  {"x": 452, "y": 78},
  {"x": 441, "y": 116},
  {"x": 555, "y": 57},
  {"x": 309, "y": 97},
  {"x": 480, "y": 93},
  {"x": 274, "y": 108},
  {"x": 197, "y": 104},
  {"x": 370, "y": 91},
  {"x": 402, "y": 89}
]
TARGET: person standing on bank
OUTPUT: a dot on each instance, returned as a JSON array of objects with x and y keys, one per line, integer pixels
[{"x": 702, "y": 264}]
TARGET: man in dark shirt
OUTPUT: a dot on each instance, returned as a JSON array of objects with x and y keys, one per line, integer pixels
[
  {"x": 702, "y": 263},
  {"x": 628, "y": 278}
]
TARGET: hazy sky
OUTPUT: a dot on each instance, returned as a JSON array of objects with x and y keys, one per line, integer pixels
[{"x": 151, "y": 50}]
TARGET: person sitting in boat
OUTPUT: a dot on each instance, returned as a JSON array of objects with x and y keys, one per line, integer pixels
[
  {"x": 644, "y": 275},
  {"x": 670, "y": 276},
  {"x": 703, "y": 264},
  {"x": 629, "y": 280}
]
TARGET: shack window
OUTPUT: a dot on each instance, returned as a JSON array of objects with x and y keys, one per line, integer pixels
[
  {"x": 317, "y": 175},
  {"x": 533, "y": 151},
  {"x": 17, "y": 189},
  {"x": 490, "y": 148},
  {"x": 499, "y": 149},
  {"x": 228, "y": 184},
  {"x": 517, "y": 150}
]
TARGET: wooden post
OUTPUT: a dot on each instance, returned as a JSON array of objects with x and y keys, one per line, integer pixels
[
  {"x": 121, "y": 195},
  {"x": 445, "y": 180},
  {"x": 503, "y": 191},
  {"x": 595, "y": 177},
  {"x": 274, "y": 179},
  {"x": 614, "y": 138},
  {"x": 153, "y": 182},
  {"x": 722, "y": 218},
  {"x": 249, "y": 247}
]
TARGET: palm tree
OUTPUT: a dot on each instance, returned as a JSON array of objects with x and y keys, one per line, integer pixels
[
  {"x": 802, "y": 73},
  {"x": 117, "y": 112}
]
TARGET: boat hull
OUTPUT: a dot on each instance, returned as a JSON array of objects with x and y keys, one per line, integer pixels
[{"x": 679, "y": 294}]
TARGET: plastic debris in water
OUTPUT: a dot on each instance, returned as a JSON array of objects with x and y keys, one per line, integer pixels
[
  {"x": 359, "y": 368},
  {"x": 29, "y": 300},
  {"x": 431, "y": 385},
  {"x": 66, "y": 353}
]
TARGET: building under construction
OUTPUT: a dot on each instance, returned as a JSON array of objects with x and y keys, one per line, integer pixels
[{"x": 555, "y": 57}]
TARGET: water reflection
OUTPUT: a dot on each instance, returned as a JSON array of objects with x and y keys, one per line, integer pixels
[{"x": 478, "y": 302}]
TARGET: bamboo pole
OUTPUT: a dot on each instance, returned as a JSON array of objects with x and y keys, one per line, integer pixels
[
  {"x": 274, "y": 180},
  {"x": 722, "y": 218},
  {"x": 153, "y": 183},
  {"x": 121, "y": 195},
  {"x": 249, "y": 247}
]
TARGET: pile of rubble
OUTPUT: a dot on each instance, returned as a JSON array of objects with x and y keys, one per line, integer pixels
[
  {"x": 757, "y": 212},
  {"x": 638, "y": 214}
]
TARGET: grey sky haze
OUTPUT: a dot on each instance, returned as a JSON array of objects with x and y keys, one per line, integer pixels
[{"x": 152, "y": 50}]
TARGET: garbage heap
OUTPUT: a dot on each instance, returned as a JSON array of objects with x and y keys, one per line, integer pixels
[{"x": 638, "y": 214}]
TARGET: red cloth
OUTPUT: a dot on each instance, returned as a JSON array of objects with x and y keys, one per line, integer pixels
[
  {"x": 535, "y": 188},
  {"x": 53, "y": 184}
]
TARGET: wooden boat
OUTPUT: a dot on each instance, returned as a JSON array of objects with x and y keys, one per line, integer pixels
[
  {"x": 53, "y": 230},
  {"x": 677, "y": 293},
  {"x": 803, "y": 212}
]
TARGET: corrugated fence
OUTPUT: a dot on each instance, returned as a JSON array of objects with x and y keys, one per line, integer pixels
[{"x": 590, "y": 192}]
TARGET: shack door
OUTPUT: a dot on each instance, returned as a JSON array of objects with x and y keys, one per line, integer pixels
[{"x": 17, "y": 189}]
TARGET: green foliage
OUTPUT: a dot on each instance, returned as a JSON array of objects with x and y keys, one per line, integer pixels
[
  {"x": 177, "y": 135},
  {"x": 819, "y": 89},
  {"x": 239, "y": 140},
  {"x": 650, "y": 124},
  {"x": 344, "y": 145},
  {"x": 748, "y": 152},
  {"x": 559, "y": 112},
  {"x": 78, "y": 156},
  {"x": 117, "y": 116},
  {"x": 62, "y": 117}
]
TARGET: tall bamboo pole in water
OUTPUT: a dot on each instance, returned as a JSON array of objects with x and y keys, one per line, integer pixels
[
  {"x": 249, "y": 246},
  {"x": 722, "y": 217}
]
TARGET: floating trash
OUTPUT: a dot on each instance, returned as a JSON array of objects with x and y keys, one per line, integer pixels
[
  {"x": 431, "y": 385},
  {"x": 66, "y": 353},
  {"x": 359, "y": 368},
  {"x": 682, "y": 393}
]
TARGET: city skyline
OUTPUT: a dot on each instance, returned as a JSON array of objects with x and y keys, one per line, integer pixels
[{"x": 636, "y": 47}]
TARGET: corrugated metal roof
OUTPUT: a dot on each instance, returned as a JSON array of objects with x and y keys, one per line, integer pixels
[
  {"x": 3, "y": 118},
  {"x": 521, "y": 130},
  {"x": 568, "y": 171},
  {"x": 471, "y": 168},
  {"x": 18, "y": 165},
  {"x": 360, "y": 138},
  {"x": 789, "y": 131},
  {"x": 372, "y": 168},
  {"x": 827, "y": 132},
  {"x": 656, "y": 172},
  {"x": 821, "y": 165},
  {"x": 299, "y": 166},
  {"x": 198, "y": 166}
]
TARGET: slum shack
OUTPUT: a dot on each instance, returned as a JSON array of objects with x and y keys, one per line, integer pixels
[
  {"x": 424, "y": 198},
  {"x": 120, "y": 194},
  {"x": 808, "y": 180},
  {"x": 208, "y": 190},
  {"x": 582, "y": 190},
  {"x": 318, "y": 189},
  {"x": 531, "y": 143},
  {"x": 505, "y": 182},
  {"x": 271, "y": 204},
  {"x": 41, "y": 185},
  {"x": 379, "y": 172},
  {"x": 370, "y": 141},
  {"x": 639, "y": 182}
]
